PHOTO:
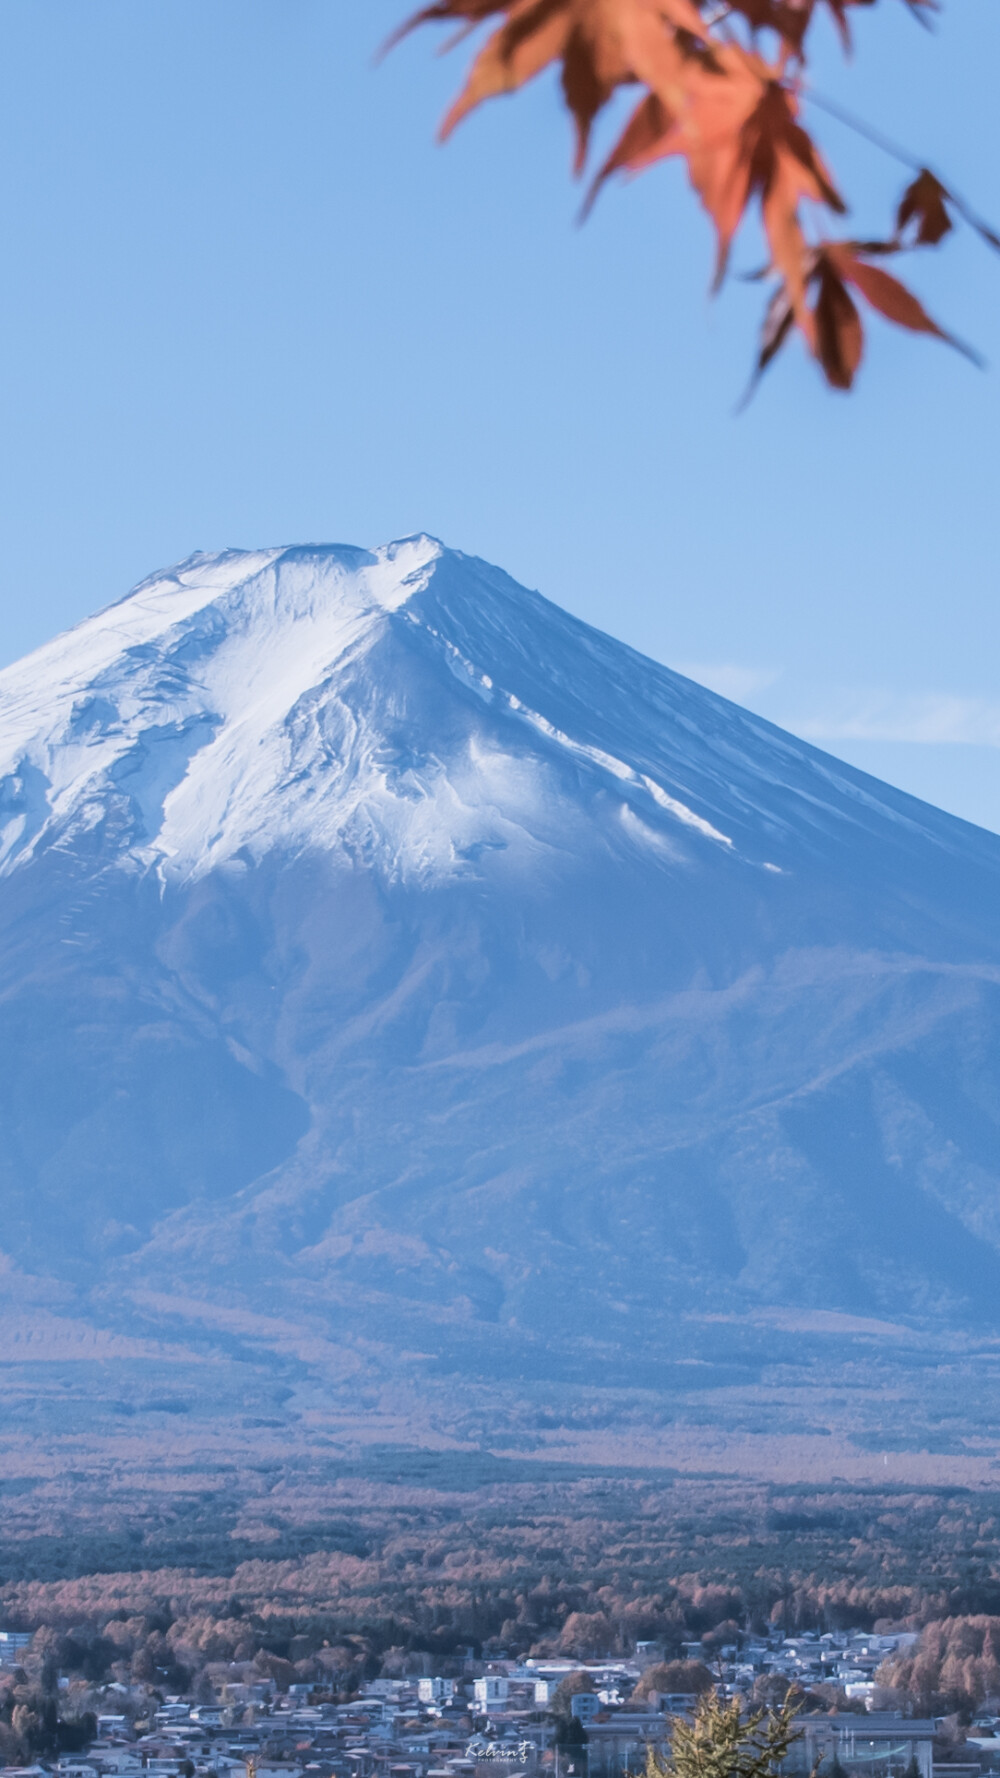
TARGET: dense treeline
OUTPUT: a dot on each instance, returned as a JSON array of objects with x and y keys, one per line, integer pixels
[
  {"x": 164, "y": 1628},
  {"x": 181, "y": 1643},
  {"x": 954, "y": 1667},
  {"x": 402, "y": 1574},
  {"x": 36, "y": 1721}
]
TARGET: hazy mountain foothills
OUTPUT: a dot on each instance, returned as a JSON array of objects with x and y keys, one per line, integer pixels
[
  {"x": 435, "y": 1033},
  {"x": 825, "y": 1396}
]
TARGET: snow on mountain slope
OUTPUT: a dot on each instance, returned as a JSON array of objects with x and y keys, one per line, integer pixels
[
  {"x": 191, "y": 700},
  {"x": 292, "y": 698},
  {"x": 372, "y": 929}
]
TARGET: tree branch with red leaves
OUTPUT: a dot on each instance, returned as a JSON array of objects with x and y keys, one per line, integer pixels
[{"x": 721, "y": 87}]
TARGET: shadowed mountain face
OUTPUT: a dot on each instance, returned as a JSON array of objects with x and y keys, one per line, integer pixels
[{"x": 384, "y": 952}]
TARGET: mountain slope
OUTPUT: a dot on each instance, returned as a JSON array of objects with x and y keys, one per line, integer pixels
[{"x": 383, "y": 948}]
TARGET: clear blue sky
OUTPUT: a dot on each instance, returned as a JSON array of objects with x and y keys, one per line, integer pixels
[{"x": 244, "y": 299}]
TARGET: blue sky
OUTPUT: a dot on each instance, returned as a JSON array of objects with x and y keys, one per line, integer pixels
[{"x": 245, "y": 299}]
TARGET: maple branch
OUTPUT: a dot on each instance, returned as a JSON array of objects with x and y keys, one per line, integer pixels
[
  {"x": 710, "y": 96},
  {"x": 860, "y": 128},
  {"x": 896, "y": 153}
]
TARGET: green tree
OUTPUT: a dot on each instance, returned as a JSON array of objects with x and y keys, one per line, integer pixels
[{"x": 726, "y": 1741}]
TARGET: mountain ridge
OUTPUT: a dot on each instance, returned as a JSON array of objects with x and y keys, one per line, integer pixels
[{"x": 192, "y": 594}]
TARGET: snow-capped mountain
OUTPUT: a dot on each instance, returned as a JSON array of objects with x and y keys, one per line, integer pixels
[{"x": 374, "y": 934}]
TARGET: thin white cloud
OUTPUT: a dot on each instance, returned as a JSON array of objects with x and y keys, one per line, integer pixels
[
  {"x": 841, "y": 713},
  {"x": 886, "y": 716}
]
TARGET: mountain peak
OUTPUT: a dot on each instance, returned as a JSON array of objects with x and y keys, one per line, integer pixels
[
  {"x": 178, "y": 705},
  {"x": 408, "y": 705}
]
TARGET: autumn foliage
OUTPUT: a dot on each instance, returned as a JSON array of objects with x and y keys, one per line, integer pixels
[
  {"x": 955, "y": 1665},
  {"x": 721, "y": 86}
]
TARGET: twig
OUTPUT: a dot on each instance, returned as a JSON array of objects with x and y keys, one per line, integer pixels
[{"x": 887, "y": 146}]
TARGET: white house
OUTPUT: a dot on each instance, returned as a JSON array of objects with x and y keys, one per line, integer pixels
[
  {"x": 491, "y": 1690},
  {"x": 435, "y": 1691}
]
